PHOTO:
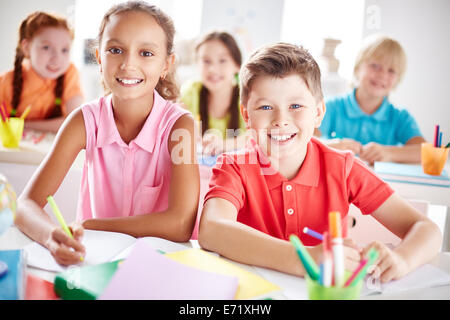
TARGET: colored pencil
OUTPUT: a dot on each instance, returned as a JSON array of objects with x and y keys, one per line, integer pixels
[
  {"x": 58, "y": 215},
  {"x": 436, "y": 135},
  {"x": 356, "y": 272},
  {"x": 308, "y": 262},
  {"x": 3, "y": 113},
  {"x": 25, "y": 113},
  {"x": 372, "y": 256},
  {"x": 313, "y": 233}
]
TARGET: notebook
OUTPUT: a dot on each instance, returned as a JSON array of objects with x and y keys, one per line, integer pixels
[
  {"x": 426, "y": 276},
  {"x": 410, "y": 173},
  {"x": 13, "y": 282},
  {"x": 251, "y": 285},
  {"x": 101, "y": 246},
  {"x": 147, "y": 274}
]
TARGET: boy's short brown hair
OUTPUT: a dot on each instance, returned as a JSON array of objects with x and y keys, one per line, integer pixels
[{"x": 280, "y": 60}]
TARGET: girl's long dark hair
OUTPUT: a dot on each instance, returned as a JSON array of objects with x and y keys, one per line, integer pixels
[{"x": 232, "y": 46}]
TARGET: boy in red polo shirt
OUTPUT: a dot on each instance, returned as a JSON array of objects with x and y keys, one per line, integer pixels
[{"x": 285, "y": 180}]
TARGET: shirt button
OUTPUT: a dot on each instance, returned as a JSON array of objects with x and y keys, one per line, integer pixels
[
  {"x": 290, "y": 211},
  {"x": 288, "y": 187}
]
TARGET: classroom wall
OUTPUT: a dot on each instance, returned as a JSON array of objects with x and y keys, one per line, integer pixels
[
  {"x": 421, "y": 26},
  {"x": 11, "y": 15},
  {"x": 423, "y": 29},
  {"x": 253, "y": 22}
]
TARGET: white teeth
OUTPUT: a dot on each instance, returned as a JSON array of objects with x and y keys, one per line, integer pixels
[
  {"x": 282, "y": 137},
  {"x": 129, "y": 81}
]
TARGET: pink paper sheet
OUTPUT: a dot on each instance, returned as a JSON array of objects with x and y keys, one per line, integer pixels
[{"x": 147, "y": 274}]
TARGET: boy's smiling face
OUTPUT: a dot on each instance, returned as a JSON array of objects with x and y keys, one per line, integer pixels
[
  {"x": 377, "y": 77},
  {"x": 283, "y": 114}
]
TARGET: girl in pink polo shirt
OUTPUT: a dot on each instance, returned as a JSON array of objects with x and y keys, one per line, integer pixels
[{"x": 139, "y": 151}]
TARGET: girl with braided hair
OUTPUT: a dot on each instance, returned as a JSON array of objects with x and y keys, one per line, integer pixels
[{"x": 43, "y": 76}]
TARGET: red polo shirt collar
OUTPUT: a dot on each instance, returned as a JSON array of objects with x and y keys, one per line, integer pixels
[{"x": 308, "y": 175}]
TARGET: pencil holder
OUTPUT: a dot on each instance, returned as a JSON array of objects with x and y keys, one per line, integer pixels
[
  {"x": 11, "y": 132},
  {"x": 433, "y": 159},
  {"x": 316, "y": 291}
]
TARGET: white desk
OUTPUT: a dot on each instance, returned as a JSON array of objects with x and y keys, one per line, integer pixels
[
  {"x": 33, "y": 148},
  {"x": 432, "y": 194},
  {"x": 293, "y": 287},
  {"x": 435, "y": 195}
]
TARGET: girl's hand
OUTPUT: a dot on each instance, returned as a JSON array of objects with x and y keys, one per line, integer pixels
[
  {"x": 64, "y": 249},
  {"x": 372, "y": 152},
  {"x": 390, "y": 264},
  {"x": 212, "y": 144}
]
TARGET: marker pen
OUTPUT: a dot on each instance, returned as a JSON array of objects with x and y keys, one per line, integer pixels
[{"x": 334, "y": 219}]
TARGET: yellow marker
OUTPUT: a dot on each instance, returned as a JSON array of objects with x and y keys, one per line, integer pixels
[
  {"x": 59, "y": 217},
  {"x": 25, "y": 113}
]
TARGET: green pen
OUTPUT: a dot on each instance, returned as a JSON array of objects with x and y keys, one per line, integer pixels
[
  {"x": 373, "y": 255},
  {"x": 59, "y": 217},
  {"x": 308, "y": 262}
]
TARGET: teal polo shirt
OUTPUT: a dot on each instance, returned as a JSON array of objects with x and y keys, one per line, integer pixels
[{"x": 388, "y": 125}]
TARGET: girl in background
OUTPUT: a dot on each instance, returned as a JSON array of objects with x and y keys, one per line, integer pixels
[
  {"x": 139, "y": 145},
  {"x": 43, "y": 76},
  {"x": 214, "y": 100},
  {"x": 365, "y": 120}
]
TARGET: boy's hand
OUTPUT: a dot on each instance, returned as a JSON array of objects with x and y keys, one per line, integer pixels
[
  {"x": 347, "y": 144},
  {"x": 372, "y": 152},
  {"x": 390, "y": 264},
  {"x": 64, "y": 249},
  {"x": 352, "y": 254}
]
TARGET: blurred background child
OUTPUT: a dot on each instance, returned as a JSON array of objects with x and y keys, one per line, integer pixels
[
  {"x": 214, "y": 100},
  {"x": 43, "y": 76},
  {"x": 364, "y": 120}
]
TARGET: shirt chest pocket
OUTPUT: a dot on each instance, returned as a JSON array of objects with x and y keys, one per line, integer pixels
[{"x": 149, "y": 199}]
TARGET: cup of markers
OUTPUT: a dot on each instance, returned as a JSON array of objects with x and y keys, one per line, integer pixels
[
  {"x": 434, "y": 156},
  {"x": 11, "y": 128},
  {"x": 331, "y": 281}
]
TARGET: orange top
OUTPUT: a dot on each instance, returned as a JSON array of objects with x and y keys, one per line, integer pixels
[{"x": 38, "y": 92}]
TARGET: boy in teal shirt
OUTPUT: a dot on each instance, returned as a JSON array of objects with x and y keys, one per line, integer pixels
[{"x": 365, "y": 121}]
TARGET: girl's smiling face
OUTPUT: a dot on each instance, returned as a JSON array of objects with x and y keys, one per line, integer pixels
[
  {"x": 217, "y": 67},
  {"x": 49, "y": 52},
  {"x": 133, "y": 55}
]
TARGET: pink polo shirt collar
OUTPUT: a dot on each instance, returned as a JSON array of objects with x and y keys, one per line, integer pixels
[{"x": 146, "y": 139}]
